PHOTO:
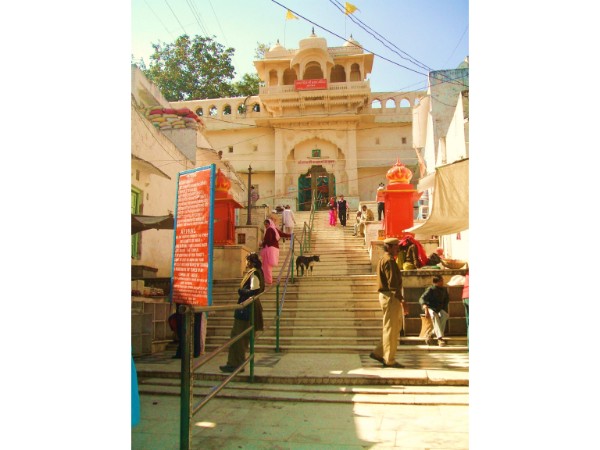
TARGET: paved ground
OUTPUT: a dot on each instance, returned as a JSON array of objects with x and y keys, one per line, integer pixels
[{"x": 257, "y": 424}]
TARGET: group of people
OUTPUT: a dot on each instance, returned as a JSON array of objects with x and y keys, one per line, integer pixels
[
  {"x": 434, "y": 302},
  {"x": 337, "y": 209},
  {"x": 363, "y": 215}
]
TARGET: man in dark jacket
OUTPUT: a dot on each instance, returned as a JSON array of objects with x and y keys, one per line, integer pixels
[
  {"x": 342, "y": 207},
  {"x": 434, "y": 302}
]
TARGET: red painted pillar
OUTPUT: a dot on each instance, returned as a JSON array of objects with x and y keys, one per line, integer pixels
[
  {"x": 399, "y": 198},
  {"x": 225, "y": 205}
]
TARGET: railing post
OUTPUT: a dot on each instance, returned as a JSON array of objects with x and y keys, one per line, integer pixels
[
  {"x": 187, "y": 379},
  {"x": 252, "y": 336},
  {"x": 277, "y": 319}
]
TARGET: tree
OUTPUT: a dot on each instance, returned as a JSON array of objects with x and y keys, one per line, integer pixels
[
  {"x": 261, "y": 49},
  {"x": 248, "y": 85},
  {"x": 195, "y": 68}
]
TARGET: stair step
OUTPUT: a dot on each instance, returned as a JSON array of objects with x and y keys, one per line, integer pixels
[{"x": 348, "y": 394}]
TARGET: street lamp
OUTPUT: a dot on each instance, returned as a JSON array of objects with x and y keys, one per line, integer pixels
[{"x": 248, "y": 221}]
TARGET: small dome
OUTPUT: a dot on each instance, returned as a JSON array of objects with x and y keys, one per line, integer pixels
[
  {"x": 277, "y": 50},
  {"x": 351, "y": 42},
  {"x": 276, "y": 47}
]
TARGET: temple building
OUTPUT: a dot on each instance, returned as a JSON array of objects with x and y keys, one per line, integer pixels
[{"x": 315, "y": 129}]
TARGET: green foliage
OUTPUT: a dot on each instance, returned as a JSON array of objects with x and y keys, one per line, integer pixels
[
  {"x": 195, "y": 68},
  {"x": 248, "y": 85},
  {"x": 198, "y": 68},
  {"x": 261, "y": 49}
]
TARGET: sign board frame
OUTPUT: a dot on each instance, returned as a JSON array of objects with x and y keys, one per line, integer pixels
[{"x": 193, "y": 236}]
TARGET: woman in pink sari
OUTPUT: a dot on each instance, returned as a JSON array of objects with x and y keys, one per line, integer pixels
[
  {"x": 332, "y": 212},
  {"x": 269, "y": 252}
]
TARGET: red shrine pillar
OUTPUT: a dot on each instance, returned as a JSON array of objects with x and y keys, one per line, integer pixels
[
  {"x": 399, "y": 197},
  {"x": 225, "y": 205}
]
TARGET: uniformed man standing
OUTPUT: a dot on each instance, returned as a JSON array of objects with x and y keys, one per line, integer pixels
[{"x": 389, "y": 283}]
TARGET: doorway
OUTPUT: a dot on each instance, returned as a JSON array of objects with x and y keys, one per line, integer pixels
[{"x": 317, "y": 183}]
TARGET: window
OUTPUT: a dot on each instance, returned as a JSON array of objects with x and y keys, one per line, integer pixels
[
  {"x": 376, "y": 104},
  {"x": 338, "y": 74},
  {"x": 200, "y": 112},
  {"x": 256, "y": 107},
  {"x": 212, "y": 111},
  {"x": 242, "y": 109},
  {"x": 289, "y": 76},
  {"x": 390, "y": 103},
  {"x": 227, "y": 110},
  {"x": 230, "y": 149},
  {"x": 404, "y": 140},
  {"x": 313, "y": 71},
  {"x": 404, "y": 103},
  {"x": 316, "y": 153}
]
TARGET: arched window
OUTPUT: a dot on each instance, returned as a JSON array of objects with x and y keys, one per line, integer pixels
[
  {"x": 273, "y": 78},
  {"x": 338, "y": 74},
  {"x": 313, "y": 71},
  {"x": 226, "y": 110},
  {"x": 289, "y": 76},
  {"x": 212, "y": 111},
  {"x": 355, "y": 73},
  {"x": 390, "y": 104},
  {"x": 256, "y": 107},
  {"x": 376, "y": 104},
  {"x": 417, "y": 101},
  {"x": 241, "y": 109},
  {"x": 404, "y": 103},
  {"x": 200, "y": 112}
]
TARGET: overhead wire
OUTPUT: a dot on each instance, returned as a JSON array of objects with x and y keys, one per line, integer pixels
[
  {"x": 342, "y": 38},
  {"x": 375, "y": 34},
  {"x": 197, "y": 17},
  {"x": 161, "y": 22},
  {"x": 218, "y": 23},
  {"x": 176, "y": 18}
]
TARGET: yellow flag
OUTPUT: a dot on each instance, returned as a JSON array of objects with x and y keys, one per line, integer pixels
[
  {"x": 350, "y": 8},
  {"x": 289, "y": 15}
]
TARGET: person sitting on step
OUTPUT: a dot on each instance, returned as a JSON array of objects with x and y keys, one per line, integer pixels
[{"x": 434, "y": 302}]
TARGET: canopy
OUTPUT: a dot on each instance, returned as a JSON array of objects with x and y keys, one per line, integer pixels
[
  {"x": 141, "y": 223},
  {"x": 450, "y": 206}
]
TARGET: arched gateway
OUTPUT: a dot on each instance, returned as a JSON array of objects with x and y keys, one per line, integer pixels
[{"x": 318, "y": 182}]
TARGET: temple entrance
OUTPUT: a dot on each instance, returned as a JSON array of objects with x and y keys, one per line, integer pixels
[{"x": 318, "y": 182}]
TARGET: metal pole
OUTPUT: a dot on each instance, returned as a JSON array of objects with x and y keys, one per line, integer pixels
[
  {"x": 277, "y": 319},
  {"x": 187, "y": 379},
  {"x": 248, "y": 221}
]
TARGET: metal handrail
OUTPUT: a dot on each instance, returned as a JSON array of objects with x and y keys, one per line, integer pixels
[{"x": 187, "y": 409}]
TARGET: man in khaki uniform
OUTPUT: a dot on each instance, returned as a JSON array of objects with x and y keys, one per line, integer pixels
[{"x": 389, "y": 286}]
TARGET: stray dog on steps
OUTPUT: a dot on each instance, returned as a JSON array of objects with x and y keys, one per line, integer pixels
[{"x": 305, "y": 263}]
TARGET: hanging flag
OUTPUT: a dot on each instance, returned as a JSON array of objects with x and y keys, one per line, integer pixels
[
  {"x": 290, "y": 16},
  {"x": 350, "y": 8}
]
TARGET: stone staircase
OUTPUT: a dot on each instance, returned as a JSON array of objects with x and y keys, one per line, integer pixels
[{"x": 334, "y": 310}]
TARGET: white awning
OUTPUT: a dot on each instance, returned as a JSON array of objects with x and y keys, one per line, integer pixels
[
  {"x": 426, "y": 182},
  {"x": 449, "y": 212}
]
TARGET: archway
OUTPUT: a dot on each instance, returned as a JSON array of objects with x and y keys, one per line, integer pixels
[{"x": 315, "y": 182}]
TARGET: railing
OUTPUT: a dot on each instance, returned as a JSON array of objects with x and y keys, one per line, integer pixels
[{"x": 187, "y": 409}]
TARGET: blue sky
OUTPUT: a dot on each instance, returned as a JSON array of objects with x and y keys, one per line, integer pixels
[{"x": 435, "y": 33}]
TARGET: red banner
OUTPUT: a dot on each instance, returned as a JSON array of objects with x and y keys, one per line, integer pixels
[
  {"x": 309, "y": 85},
  {"x": 192, "y": 277}
]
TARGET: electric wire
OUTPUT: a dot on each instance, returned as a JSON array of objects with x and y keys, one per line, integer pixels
[
  {"x": 176, "y": 18},
  {"x": 376, "y": 35}
]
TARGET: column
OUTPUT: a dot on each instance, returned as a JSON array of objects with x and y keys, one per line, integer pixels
[{"x": 351, "y": 163}]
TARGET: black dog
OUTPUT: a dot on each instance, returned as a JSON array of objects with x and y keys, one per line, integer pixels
[{"x": 305, "y": 263}]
